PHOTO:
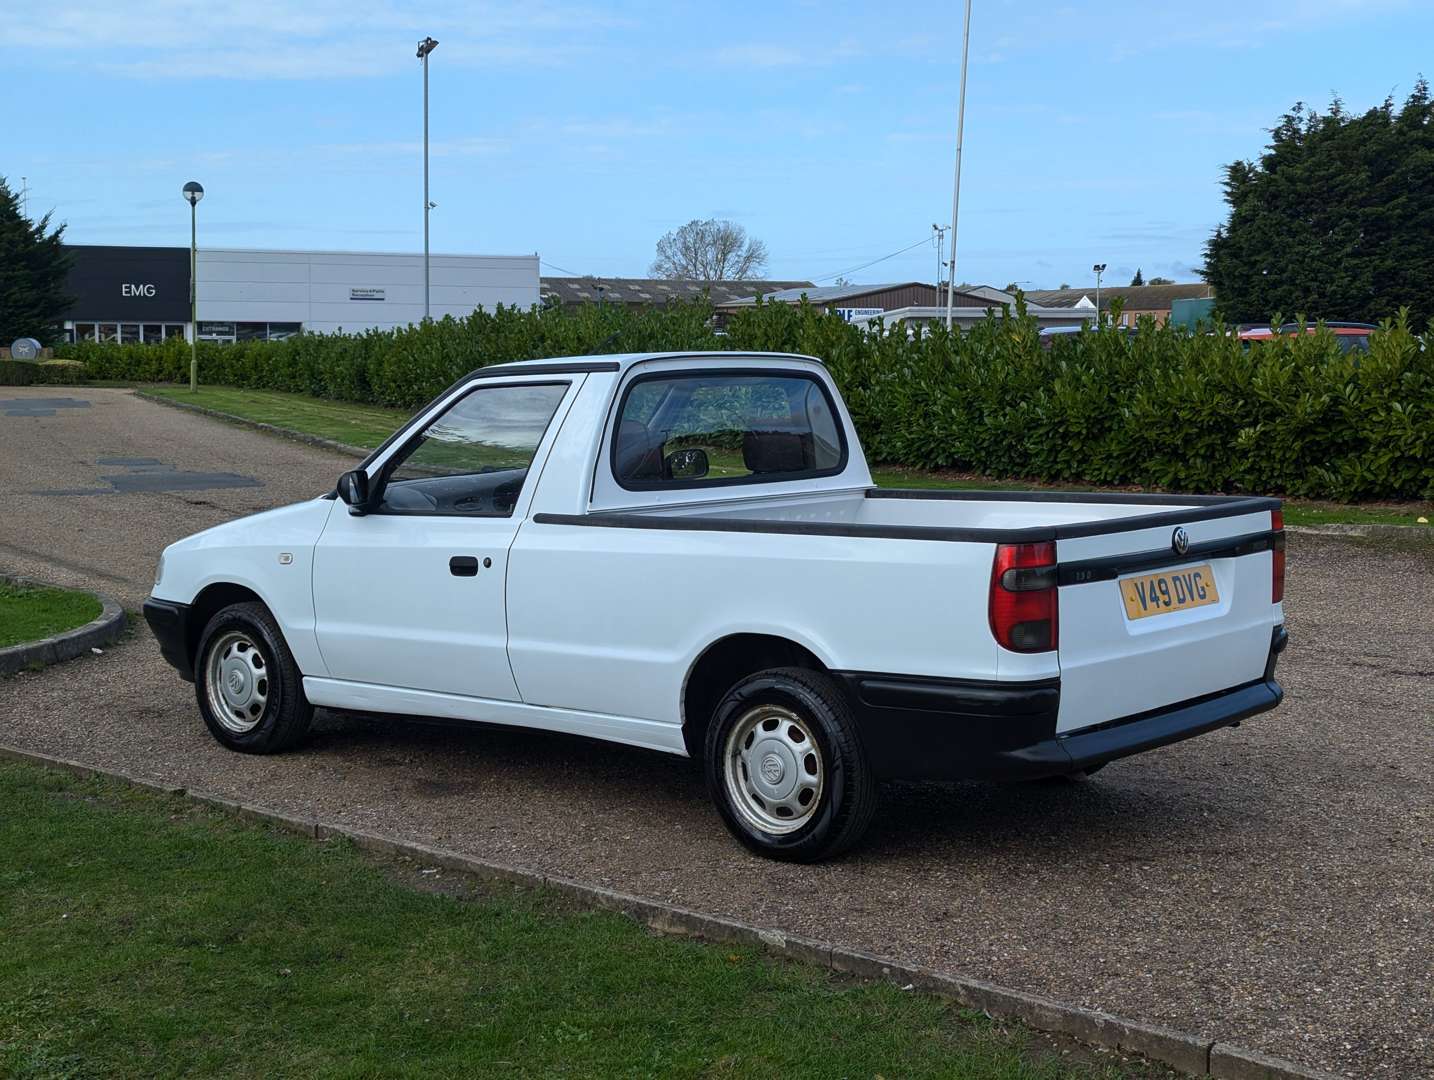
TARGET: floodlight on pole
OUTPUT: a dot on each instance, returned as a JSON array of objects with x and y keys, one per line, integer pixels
[
  {"x": 193, "y": 192},
  {"x": 956, "y": 187},
  {"x": 1099, "y": 269},
  {"x": 426, "y": 46}
]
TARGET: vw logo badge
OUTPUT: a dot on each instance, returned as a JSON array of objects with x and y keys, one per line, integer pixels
[
  {"x": 1180, "y": 541},
  {"x": 772, "y": 769}
]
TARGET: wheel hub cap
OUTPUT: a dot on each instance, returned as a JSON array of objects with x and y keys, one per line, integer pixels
[
  {"x": 238, "y": 682},
  {"x": 773, "y": 769}
]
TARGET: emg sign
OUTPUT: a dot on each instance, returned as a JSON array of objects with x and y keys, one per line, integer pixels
[{"x": 129, "y": 284}]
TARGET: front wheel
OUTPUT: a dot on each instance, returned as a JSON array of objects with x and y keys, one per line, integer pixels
[
  {"x": 250, "y": 691},
  {"x": 786, "y": 767}
]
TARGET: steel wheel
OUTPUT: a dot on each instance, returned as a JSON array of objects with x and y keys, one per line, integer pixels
[
  {"x": 773, "y": 769},
  {"x": 237, "y": 678}
]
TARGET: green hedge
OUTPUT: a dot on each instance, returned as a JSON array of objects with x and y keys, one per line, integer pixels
[
  {"x": 1165, "y": 409},
  {"x": 41, "y": 373}
]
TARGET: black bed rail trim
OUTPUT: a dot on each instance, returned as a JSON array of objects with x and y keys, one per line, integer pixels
[
  {"x": 1084, "y": 571},
  {"x": 699, "y": 523},
  {"x": 795, "y": 528},
  {"x": 1154, "y": 498}
]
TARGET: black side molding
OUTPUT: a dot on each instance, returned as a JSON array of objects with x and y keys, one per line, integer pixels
[{"x": 927, "y": 728}]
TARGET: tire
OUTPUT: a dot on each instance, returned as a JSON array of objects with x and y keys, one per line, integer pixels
[
  {"x": 250, "y": 691},
  {"x": 770, "y": 719}
]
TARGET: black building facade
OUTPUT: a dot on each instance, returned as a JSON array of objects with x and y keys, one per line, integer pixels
[{"x": 129, "y": 294}]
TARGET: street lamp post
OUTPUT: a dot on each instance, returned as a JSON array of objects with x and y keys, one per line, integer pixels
[
  {"x": 1099, "y": 269},
  {"x": 193, "y": 192},
  {"x": 956, "y": 188},
  {"x": 426, "y": 46}
]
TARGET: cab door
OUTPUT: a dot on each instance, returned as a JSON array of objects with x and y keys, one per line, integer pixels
[{"x": 409, "y": 592}]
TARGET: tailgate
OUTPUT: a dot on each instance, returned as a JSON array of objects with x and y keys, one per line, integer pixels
[{"x": 1142, "y": 627}]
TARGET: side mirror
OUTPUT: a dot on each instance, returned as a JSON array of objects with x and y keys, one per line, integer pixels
[
  {"x": 685, "y": 464},
  {"x": 353, "y": 490}
]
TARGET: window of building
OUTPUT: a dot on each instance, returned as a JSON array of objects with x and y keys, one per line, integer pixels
[
  {"x": 217, "y": 331},
  {"x": 130, "y": 333},
  {"x": 228, "y": 333}
]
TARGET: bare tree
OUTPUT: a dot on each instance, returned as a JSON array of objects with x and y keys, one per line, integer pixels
[{"x": 710, "y": 250}]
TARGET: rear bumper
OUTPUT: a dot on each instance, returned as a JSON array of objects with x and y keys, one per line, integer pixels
[
  {"x": 170, "y": 624},
  {"x": 947, "y": 729}
]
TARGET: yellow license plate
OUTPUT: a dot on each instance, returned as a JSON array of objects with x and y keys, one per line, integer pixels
[{"x": 1169, "y": 590}]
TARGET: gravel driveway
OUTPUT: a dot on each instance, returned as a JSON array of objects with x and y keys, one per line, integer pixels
[{"x": 1273, "y": 883}]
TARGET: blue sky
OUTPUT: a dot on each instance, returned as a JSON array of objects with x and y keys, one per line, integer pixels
[{"x": 1094, "y": 132}]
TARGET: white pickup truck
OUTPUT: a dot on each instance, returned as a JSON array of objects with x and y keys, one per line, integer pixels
[{"x": 685, "y": 552}]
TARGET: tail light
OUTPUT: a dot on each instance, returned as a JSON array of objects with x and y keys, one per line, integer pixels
[
  {"x": 1277, "y": 575},
  {"x": 1023, "y": 597}
]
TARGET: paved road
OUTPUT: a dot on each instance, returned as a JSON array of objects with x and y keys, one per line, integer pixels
[{"x": 1273, "y": 884}]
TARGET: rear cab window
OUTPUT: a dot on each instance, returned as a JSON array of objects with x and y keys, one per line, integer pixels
[{"x": 680, "y": 429}]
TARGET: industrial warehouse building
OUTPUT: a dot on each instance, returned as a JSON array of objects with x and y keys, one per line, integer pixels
[
  {"x": 910, "y": 302},
  {"x": 141, "y": 294}
]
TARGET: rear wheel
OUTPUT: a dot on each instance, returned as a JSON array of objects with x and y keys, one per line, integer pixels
[
  {"x": 249, "y": 689},
  {"x": 786, "y": 768}
]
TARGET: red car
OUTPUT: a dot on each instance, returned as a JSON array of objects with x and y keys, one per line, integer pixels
[{"x": 1352, "y": 336}]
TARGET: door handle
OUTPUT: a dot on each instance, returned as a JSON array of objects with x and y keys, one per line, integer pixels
[{"x": 463, "y": 566}]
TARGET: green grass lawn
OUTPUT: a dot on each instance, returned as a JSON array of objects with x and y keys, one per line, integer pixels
[
  {"x": 147, "y": 936},
  {"x": 30, "y": 613},
  {"x": 368, "y": 425}
]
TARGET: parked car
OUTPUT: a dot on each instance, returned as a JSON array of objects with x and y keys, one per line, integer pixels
[
  {"x": 1351, "y": 336},
  {"x": 1049, "y": 335},
  {"x": 686, "y": 553}
]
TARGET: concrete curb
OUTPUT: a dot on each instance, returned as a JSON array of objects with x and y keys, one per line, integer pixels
[
  {"x": 1196, "y": 1055},
  {"x": 268, "y": 429},
  {"x": 1425, "y": 532},
  {"x": 103, "y": 630}
]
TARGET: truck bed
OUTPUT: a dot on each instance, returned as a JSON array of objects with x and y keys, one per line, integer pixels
[{"x": 981, "y": 516}]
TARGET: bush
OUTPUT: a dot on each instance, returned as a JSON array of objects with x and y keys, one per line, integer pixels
[
  {"x": 1165, "y": 408},
  {"x": 42, "y": 373}
]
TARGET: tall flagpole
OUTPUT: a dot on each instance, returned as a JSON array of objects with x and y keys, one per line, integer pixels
[{"x": 956, "y": 188}]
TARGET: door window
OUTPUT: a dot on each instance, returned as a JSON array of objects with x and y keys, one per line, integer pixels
[
  {"x": 692, "y": 430},
  {"x": 473, "y": 459}
]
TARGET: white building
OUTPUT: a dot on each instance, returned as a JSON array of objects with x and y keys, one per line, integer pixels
[{"x": 142, "y": 294}]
